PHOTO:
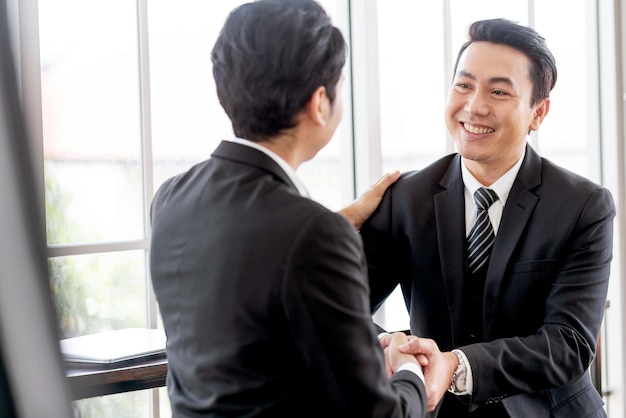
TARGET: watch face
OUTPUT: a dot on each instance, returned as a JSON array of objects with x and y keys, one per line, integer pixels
[
  {"x": 461, "y": 381},
  {"x": 459, "y": 377}
]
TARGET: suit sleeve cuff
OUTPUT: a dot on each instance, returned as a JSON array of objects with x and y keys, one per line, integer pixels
[{"x": 413, "y": 368}]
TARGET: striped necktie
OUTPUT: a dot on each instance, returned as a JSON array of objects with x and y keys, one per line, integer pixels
[{"x": 481, "y": 237}]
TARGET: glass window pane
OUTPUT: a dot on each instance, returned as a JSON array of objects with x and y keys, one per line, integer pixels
[
  {"x": 464, "y": 12},
  {"x": 187, "y": 119},
  {"x": 99, "y": 292},
  {"x": 327, "y": 175},
  {"x": 567, "y": 136},
  {"x": 165, "y": 406},
  {"x": 121, "y": 405},
  {"x": 91, "y": 129},
  {"x": 412, "y": 83}
]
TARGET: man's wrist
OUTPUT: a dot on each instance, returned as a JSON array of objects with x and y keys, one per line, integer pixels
[
  {"x": 414, "y": 368},
  {"x": 458, "y": 385}
]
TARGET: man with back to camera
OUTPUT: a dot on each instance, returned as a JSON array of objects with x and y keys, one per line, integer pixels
[
  {"x": 523, "y": 312},
  {"x": 263, "y": 292}
]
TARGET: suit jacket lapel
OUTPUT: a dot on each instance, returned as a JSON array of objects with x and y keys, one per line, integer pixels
[
  {"x": 519, "y": 206},
  {"x": 248, "y": 155},
  {"x": 450, "y": 221}
]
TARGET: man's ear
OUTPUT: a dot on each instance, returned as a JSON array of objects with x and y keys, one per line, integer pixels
[
  {"x": 541, "y": 111},
  {"x": 317, "y": 107}
]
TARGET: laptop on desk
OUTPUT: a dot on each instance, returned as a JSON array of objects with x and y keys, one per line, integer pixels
[{"x": 114, "y": 347}]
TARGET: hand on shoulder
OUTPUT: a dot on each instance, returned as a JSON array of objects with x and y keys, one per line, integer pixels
[{"x": 362, "y": 208}]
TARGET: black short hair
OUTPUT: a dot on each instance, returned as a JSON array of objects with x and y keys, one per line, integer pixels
[
  {"x": 522, "y": 38},
  {"x": 269, "y": 58}
]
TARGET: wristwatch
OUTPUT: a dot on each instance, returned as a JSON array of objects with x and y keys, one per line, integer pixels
[{"x": 458, "y": 385}]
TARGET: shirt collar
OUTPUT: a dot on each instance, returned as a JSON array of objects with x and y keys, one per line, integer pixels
[
  {"x": 291, "y": 173},
  {"x": 502, "y": 186}
]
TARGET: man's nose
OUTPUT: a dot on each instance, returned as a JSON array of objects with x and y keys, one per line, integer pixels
[{"x": 477, "y": 104}]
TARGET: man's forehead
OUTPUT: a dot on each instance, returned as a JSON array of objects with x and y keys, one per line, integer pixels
[{"x": 494, "y": 62}]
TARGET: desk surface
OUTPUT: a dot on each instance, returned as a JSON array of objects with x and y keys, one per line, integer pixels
[{"x": 87, "y": 382}]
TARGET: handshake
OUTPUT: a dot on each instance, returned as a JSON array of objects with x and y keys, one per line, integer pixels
[{"x": 438, "y": 367}]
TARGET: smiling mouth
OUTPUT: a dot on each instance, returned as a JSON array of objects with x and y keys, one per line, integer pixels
[{"x": 477, "y": 130}]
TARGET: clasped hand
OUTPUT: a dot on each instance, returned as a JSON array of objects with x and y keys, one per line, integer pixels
[{"x": 438, "y": 366}]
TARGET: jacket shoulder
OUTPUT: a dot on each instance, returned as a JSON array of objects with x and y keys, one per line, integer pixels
[{"x": 430, "y": 175}]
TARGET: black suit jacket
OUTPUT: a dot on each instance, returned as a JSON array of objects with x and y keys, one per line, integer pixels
[
  {"x": 264, "y": 299},
  {"x": 545, "y": 288}
]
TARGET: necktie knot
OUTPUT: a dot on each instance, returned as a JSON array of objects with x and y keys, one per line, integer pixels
[{"x": 484, "y": 198}]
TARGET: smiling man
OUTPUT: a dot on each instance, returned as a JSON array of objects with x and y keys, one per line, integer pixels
[
  {"x": 491, "y": 108},
  {"x": 512, "y": 293}
]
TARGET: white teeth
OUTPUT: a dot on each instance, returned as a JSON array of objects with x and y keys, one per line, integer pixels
[{"x": 477, "y": 130}]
